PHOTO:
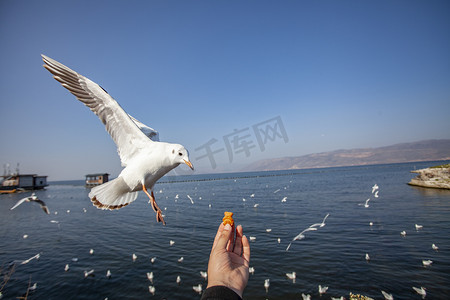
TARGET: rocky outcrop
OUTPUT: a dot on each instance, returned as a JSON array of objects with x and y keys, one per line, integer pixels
[{"x": 434, "y": 177}]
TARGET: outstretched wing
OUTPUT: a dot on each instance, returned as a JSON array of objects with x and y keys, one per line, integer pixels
[
  {"x": 43, "y": 206},
  {"x": 148, "y": 131},
  {"x": 19, "y": 202},
  {"x": 123, "y": 130}
]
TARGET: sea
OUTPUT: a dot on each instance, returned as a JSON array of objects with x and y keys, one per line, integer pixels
[{"x": 273, "y": 208}]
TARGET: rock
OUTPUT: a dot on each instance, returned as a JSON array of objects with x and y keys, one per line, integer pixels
[{"x": 434, "y": 177}]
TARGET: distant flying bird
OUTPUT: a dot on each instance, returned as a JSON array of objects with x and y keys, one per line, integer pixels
[
  {"x": 37, "y": 256},
  {"x": 251, "y": 270},
  {"x": 427, "y": 263},
  {"x": 322, "y": 290},
  {"x": 300, "y": 236},
  {"x": 418, "y": 226},
  {"x": 145, "y": 159},
  {"x": 387, "y": 296},
  {"x": 367, "y": 257},
  {"x": 89, "y": 273},
  {"x": 178, "y": 279},
  {"x": 366, "y": 204},
  {"x": 153, "y": 259},
  {"x": 181, "y": 259},
  {"x": 204, "y": 274},
  {"x": 320, "y": 224},
  {"x": 108, "y": 274},
  {"x": 306, "y": 297},
  {"x": 403, "y": 233},
  {"x": 291, "y": 276},
  {"x": 197, "y": 288},
  {"x": 374, "y": 188},
  {"x": 150, "y": 276},
  {"x": 434, "y": 247},
  {"x": 152, "y": 289},
  {"x": 33, "y": 198},
  {"x": 134, "y": 257},
  {"x": 376, "y": 194}
]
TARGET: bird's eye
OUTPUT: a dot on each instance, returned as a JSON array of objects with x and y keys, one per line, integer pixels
[{"x": 180, "y": 154}]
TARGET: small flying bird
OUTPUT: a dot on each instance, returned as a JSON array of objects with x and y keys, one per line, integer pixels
[
  {"x": 91, "y": 251},
  {"x": 37, "y": 256},
  {"x": 322, "y": 290},
  {"x": 434, "y": 247},
  {"x": 252, "y": 196},
  {"x": 74, "y": 259},
  {"x": 421, "y": 291},
  {"x": 374, "y": 188},
  {"x": 320, "y": 224},
  {"x": 366, "y": 204},
  {"x": 370, "y": 223},
  {"x": 255, "y": 205},
  {"x": 89, "y": 273},
  {"x": 33, "y": 287},
  {"x": 387, "y": 296},
  {"x": 190, "y": 198},
  {"x": 306, "y": 297},
  {"x": 171, "y": 242},
  {"x": 178, "y": 279},
  {"x": 376, "y": 194},
  {"x": 252, "y": 238},
  {"x": 181, "y": 259},
  {"x": 279, "y": 240},
  {"x": 418, "y": 226},
  {"x": 268, "y": 230},
  {"x": 134, "y": 257},
  {"x": 291, "y": 276},
  {"x": 251, "y": 270},
  {"x": 25, "y": 236},
  {"x": 108, "y": 274},
  {"x": 145, "y": 159},
  {"x": 151, "y": 289},
  {"x": 33, "y": 198},
  {"x": 403, "y": 233},
  {"x": 150, "y": 276},
  {"x": 153, "y": 259},
  {"x": 284, "y": 199},
  {"x": 204, "y": 274},
  {"x": 367, "y": 257},
  {"x": 267, "y": 284},
  {"x": 66, "y": 268},
  {"x": 276, "y": 191},
  {"x": 300, "y": 236},
  {"x": 197, "y": 288},
  {"x": 427, "y": 263}
]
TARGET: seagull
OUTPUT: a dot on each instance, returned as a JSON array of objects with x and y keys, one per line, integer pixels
[
  {"x": 374, "y": 188},
  {"x": 181, "y": 259},
  {"x": 150, "y": 276},
  {"x": 108, "y": 274},
  {"x": 284, "y": 199},
  {"x": 370, "y": 223},
  {"x": 367, "y": 257},
  {"x": 34, "y": 198},
  {"x": 255, "y": 205},
  {"x": 268, "y": 230},
  {"x": 91, "y": 251},
  {"x": 421, "y": 291},
  {"x": 153, "y": 259},
  {"x": 204, "y": 274},
  {"x": 151, "y": 289},
  {"x": 320, "y": 224},
  {"x": 306, "y": 297},
  {"x": 190, "y": 198},
  {"x": 252, "y": 238},
  {"x": 300, "y": 236},
  {"x": 366, "y": 204},
  {"x": 436, "y": 248},
  {"x": 66, "y": 268},
  {"x": 171, "y": 242},
  {"x": 37, "y": 256},
  {"x": 267, "y": 284},
  {"x": 197, "y": 288},
  {"x": 145, "y": 159},
  {"x": 251, "y": 270},
  {"x": 252, "y": 195},
  {"x": 291, "y": 276},
  {"x": 376, "y": 194},
  {"x": 134, "y": 257},
  {"x": 427, "y": 263},
  {"x": 387, "y": 296},
  {"x": 25, "y": 236},
  {"x": 89, "y": 273},
  {"x": 178, "y": 279},
  {"x": 418, "y": 226},
  {"x": 403, "y": 233},
  {"x": 279, "y": 240},
  {"x": 322, "y": 290}
]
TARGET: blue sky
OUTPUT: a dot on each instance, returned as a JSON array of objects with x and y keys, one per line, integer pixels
[{"x": 338, "y": 74}]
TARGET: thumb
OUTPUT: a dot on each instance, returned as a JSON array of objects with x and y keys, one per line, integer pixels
[{"x": 224, "y": 237}]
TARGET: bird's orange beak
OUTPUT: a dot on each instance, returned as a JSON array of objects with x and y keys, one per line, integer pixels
[{"x": 189, "y": 164}]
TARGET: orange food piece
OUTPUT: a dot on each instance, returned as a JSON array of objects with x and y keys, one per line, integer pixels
[{"x": 228, "y": 218}]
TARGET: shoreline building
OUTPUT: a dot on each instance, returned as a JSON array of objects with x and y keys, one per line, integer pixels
[{"x": 96, "y": 179}]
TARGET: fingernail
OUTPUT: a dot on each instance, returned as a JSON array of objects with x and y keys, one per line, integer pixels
[{"x": 227, "y": 227}]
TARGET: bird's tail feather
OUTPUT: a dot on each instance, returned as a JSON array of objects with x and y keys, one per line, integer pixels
[{"x": 113, "y": 194}]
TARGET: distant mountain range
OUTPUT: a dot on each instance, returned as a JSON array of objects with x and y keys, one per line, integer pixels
[{"x": 428, "y": 150}]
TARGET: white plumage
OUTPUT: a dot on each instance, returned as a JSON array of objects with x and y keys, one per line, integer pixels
[{"x": 145, "y": 159}]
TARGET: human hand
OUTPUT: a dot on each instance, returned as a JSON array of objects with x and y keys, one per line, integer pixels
[{"x": 229, "y": 259}]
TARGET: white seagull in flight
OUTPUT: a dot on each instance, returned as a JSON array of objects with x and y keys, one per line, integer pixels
[
  {"x": 33, "y": 198},
  {"x": 145, "y": 159}
]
